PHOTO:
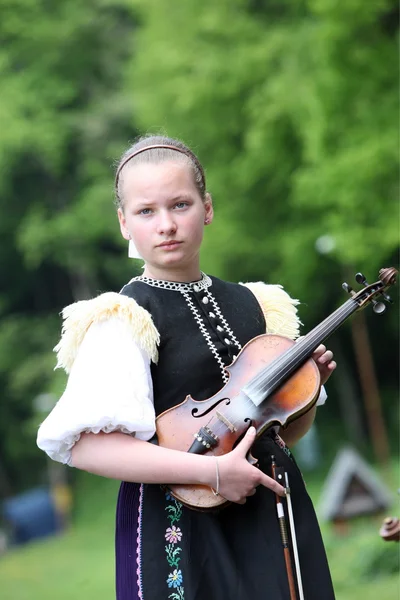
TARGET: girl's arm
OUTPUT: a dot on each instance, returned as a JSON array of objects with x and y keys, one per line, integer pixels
[{"x": 119, "y": 456}]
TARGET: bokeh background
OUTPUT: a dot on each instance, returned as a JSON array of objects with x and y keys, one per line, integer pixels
[{"x": 292, "y": 106}]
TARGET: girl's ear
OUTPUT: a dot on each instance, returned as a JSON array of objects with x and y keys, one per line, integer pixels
[
  {"x": 122, "y": 225},
  {"x": 209, "y": 209}
]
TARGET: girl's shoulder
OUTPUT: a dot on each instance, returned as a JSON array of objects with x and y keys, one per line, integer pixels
[
  {"x": 108, "y": 307},
  {"x": 278, "y": 307}
]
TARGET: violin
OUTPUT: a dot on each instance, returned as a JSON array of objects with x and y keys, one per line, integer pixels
[{"x": 272, "y": 381}]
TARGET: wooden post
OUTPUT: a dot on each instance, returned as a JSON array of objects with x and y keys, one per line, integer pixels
[{"x": 369, "y": 386}]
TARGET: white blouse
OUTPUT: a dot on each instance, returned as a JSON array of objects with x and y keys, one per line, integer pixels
[{"x": 109, "y": 389}]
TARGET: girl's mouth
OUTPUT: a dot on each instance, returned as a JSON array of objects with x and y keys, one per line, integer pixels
[{"x": 170, "y": 245}]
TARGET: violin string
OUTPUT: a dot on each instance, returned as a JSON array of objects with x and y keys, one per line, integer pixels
[
  {"x": 334, "y": 320},
  {"x": 273, "y": 373},
  {"x": 299, "y": 354}
]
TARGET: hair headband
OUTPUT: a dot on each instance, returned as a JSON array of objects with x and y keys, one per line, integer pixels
[{"x": 187, "y": 153}]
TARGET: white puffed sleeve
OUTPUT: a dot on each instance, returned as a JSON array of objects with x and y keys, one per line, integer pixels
[
  {"x": 109, "y": 389},
  {"x": 323, "y": 396}
]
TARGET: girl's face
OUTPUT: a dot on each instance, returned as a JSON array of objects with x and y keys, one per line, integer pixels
[{"x": 164, "y": 215}]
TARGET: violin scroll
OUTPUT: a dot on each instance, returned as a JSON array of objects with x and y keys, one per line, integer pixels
[
  {"x": 388, "y": 276},
  {"x": 371, "y": 291}
]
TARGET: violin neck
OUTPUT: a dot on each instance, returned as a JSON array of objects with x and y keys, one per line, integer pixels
[
  {"x": 306, "y": 345},
  {"x": 275, "y": 374}
]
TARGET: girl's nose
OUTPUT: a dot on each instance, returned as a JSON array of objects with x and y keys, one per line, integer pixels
[{"x": 166, "y": 224}]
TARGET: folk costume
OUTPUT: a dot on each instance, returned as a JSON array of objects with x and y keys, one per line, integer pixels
[{"x": 131, "y": 356}]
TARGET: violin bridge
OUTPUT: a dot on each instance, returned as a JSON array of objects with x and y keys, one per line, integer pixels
[{"x": 226, "y": 422}]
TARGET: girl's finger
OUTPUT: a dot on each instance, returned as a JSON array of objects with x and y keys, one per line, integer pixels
[
  {"x": 246, "y": 443},
  {"x": 272, "y": 484},
  {"x": 320, "y": 350},
  {"x": 326, "y": 357}
]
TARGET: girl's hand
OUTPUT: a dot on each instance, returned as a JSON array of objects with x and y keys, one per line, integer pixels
[
  {"x": 238, "y": 478},
  {"x": 323, "y": 359}
]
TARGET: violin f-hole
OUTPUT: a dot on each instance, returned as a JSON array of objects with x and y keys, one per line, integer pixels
[{"x": 195, "y": 411}]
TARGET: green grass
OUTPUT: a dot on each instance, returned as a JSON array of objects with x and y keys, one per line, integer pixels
[
  {"x": 363, "y": 567},
  {"x": 80, "y": 563},
  {"x": 76, "y": 564}
]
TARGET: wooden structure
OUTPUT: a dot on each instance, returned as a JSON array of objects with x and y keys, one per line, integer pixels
[{"x": 352, "y": 489}]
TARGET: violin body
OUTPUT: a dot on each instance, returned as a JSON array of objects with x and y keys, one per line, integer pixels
[{"x": 229, "y": 413}]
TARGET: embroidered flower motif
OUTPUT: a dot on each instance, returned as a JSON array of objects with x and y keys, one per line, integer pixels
[
  {"x": 175, "y": 511},
  {"x": 173, "y": 553},
  {"x": 175, "y": 578},
  {"x": 282, "y": 445},
  {"x": 179, "y": 594},
  {"x": 173, "y": 534}
]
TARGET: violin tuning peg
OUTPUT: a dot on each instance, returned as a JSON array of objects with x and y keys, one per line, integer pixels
[
  {"x": 347, "y": 288},
  {"x": 378, "y": 307},
  {"x": 387, "y": 298},
  {"x": 360, "y": 278}
]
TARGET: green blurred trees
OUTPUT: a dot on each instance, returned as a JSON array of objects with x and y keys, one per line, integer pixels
[
  {"x": 63, "y": 113},
  {"x": 291, "y": 106}
]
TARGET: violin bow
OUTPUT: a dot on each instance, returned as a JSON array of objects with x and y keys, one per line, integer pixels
[
  {"x": 293, "y": 536},
  {"x": 283, "y": 529}
]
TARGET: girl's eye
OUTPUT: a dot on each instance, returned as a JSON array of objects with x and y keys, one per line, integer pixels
[
  {"x": 182, "y": 204},
  {"x": 145, "y": 211}
]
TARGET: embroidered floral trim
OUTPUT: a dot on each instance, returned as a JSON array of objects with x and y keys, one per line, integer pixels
[
  {"x": 279, "y": 441},
  {"x": 174, "y": 535}
]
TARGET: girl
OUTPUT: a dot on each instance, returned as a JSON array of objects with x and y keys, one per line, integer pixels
[{"x": 130, "y": 356}]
